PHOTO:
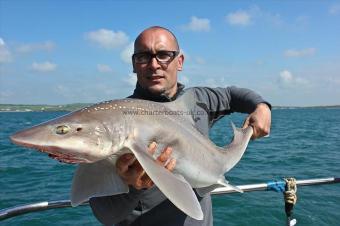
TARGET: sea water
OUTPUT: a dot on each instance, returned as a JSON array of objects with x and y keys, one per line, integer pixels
[{"x": 303, "y": 143}]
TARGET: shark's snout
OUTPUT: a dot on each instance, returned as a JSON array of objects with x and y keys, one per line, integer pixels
[
  {"x": 14, "y": 138},
  {"x": 21, "y": 138},
  {"x": 28, "y": 138}
]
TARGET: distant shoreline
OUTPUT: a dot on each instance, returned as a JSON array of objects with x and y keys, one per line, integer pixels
[
  {"x": 41, "y": 107},
  {"x": 307, "y": 107},
  {"x": 77, "y": 106}
]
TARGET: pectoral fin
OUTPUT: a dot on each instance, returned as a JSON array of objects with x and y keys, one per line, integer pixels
[
  {"x": 173, "y": 186},
  {"x": 95, "y": 180}
]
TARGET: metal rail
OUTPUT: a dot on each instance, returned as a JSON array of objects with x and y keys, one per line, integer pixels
[
  {"x": 34, "y": 207},
  {"x": 40, "y": 206},
  {"x": 265, "y": 186}
]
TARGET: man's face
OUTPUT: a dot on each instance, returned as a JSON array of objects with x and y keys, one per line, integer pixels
[{"x": 158, "y": 78}]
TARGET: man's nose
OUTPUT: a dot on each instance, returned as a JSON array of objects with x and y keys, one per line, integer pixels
[{"x": 154, "y": 63}]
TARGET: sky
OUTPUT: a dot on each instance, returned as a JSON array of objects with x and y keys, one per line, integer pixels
[{"x": 62, "y": 52}]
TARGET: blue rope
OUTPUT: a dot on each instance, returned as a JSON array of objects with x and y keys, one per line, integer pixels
[{"x": 278, "y": 186}]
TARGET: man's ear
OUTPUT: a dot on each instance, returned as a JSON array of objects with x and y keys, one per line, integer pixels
[
  {"x": 180, "y": 62},
  {"x": 133, "y": 66}
]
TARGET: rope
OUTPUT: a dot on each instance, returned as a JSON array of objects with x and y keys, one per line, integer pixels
[
  {"x": 290, "y": 191},
  {"x": 290, "y": 199}
]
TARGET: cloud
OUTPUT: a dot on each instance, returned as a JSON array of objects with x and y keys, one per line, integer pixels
[
  {"x": 249, "y": 16},
  {"x": 44, "y": 66},
  {"x": 5, "y": 94},
  {"x": 287, "y": 79},
  {"x": 241, "y": 18},
  {"x": 300, "y": 53},
  {"x": 333, "y": 80},
  {"x": 28, "y": 48},
  {"x": 211, "y": 82},
  {"x": 107, "y": 39},
  {"x": 131, "y": 79},
  {"x": 126, "y": 54},
  {"x": 5, "y": 54},
  {"x": 199, "y": 60},
  {"x": 183, "y": 79},
  {"x": 286, "y": 76},
  {"x": 198, "y": 24},
  {"x": 193, "y": 58},
  {"x": 103, "y": 68},
  {"x": 334, "y": 9},
  {"x": 302, "y": 21}
]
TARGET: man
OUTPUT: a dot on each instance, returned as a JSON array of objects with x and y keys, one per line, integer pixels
[{"x": 156, "y": 61}]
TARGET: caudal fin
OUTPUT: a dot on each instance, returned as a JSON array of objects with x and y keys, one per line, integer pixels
[{"x": 235, "y": 150}]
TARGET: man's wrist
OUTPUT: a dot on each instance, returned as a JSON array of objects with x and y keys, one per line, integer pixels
[{"x": 263, "y": 105}]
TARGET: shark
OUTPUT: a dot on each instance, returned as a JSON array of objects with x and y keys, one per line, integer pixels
[{"x": 95, "y": 136}]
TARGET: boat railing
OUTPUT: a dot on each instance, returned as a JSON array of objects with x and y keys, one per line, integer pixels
[{"x": 272, "y": 185}]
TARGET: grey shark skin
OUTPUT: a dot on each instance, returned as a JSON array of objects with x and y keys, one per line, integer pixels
[{"x": 95, "y": 136}]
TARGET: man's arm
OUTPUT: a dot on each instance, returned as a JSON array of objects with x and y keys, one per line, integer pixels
[{"x": 223, "y": 101}]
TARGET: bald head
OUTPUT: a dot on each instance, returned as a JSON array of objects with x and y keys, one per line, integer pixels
[
  {"x": 157, "y": 76},
  {"x": 156, "y": 31}
]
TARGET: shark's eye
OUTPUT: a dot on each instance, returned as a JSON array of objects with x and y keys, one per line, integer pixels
[{"x": 63, "y": 129}]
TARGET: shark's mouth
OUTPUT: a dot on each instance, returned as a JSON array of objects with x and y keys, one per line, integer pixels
[
  {"x": 62, "y": 156},
  {"x": 54, "y": 152},
  {"x": 66, "y": 158}
]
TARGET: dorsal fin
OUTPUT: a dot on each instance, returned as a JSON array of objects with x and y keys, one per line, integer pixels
[{"x": 184, "y": 105}]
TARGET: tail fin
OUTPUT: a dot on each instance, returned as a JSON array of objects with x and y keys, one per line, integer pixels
[
  {"x": 235, "y": 150},
  {"x": 230, "y": 156}
]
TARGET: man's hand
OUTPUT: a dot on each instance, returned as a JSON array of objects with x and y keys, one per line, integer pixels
[
  {"x": 260, "y": 120},
  {"x": 132, "y": 173}
]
